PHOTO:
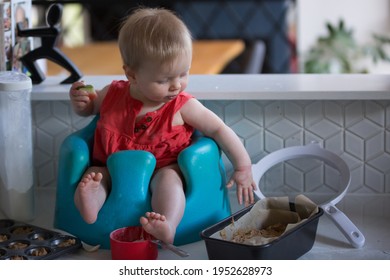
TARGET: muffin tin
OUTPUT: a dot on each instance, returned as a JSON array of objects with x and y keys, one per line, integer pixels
[{"x": 21, "y": 241}]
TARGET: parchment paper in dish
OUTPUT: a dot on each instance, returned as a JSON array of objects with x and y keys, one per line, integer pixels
[{"x": 267, "y": 212}]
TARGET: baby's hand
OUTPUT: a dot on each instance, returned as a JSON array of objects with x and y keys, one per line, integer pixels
[
  {"x": 91, "y": 91},
  {"x": 244, "y": 183},
  {"x": 81, "y": 95}
]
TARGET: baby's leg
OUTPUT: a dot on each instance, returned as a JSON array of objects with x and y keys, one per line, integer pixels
[
  {"x": 92, "y": 192},
  {"x": 168, "y": 203}
]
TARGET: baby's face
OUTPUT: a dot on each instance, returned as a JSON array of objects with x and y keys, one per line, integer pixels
[{"x": 163, "y": 82}]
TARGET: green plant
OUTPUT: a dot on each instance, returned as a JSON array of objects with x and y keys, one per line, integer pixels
[{"x": 338, "y": 52}]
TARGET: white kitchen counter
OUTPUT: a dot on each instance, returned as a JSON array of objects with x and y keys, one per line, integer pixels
[
  {"x": 370, "y": 213},
  {"x": 253, "y": 87}
]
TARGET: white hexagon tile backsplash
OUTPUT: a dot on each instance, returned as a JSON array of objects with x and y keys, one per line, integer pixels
[{"x": 358, "y": 131}]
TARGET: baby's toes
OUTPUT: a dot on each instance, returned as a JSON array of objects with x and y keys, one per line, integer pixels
[
  {"x": 162, "y": 218},
  {"x": 85, "y": 180},
  {"x": 154, "y": 215},
  {"x": 149, "y": 214},
  {"x": 98, "y": 177}
]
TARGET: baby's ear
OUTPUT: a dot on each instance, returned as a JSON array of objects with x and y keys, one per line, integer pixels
[{"x": 130, "y": 73}]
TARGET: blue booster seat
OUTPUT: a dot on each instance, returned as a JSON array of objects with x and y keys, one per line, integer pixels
[{"x": 207, "y": 200}]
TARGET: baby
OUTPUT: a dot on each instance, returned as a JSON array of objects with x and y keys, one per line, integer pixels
[{"x": 151, "y": 111}]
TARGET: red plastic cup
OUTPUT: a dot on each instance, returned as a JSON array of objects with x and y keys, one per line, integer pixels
[{"x": 132, "y": 243}]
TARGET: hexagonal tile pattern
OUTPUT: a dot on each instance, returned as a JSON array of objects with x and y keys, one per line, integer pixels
[{"x": 358, "y": 131}]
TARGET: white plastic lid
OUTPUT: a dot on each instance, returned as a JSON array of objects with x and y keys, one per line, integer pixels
[{"x": 14, "y": 81}]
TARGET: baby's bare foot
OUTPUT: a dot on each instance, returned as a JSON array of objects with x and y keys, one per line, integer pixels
[
  {"x": 88, "y": 196},
  {"x": 158, "y": 226}
]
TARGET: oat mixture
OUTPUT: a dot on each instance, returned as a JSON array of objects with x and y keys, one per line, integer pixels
[
  {"x": 22, "y": 230},
  {"x": 67, "y": 243},
  {"x": 39, "y": 252},
  {"x": 241, "y": 235},
  {"x": 17, "y": 245},
  {"x": 3, "y": 237}
]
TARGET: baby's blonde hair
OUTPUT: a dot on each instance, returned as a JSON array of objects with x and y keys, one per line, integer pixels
[{"x": 153, "y": 34}]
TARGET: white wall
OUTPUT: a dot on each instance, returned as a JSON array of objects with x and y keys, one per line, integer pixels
[{"x": 363, "y": 16}]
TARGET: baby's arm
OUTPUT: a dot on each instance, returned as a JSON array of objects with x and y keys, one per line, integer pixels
[
  {"x": 84, "y": 102},
  {"x": 204, "y": 120}
]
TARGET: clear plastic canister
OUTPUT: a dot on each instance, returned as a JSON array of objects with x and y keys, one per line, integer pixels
[{"x": 16, "y": 147}]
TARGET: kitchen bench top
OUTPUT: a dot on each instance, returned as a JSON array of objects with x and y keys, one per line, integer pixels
[
  {"x": 252, "y": 87},
  {"x": 370, "y": 213}
]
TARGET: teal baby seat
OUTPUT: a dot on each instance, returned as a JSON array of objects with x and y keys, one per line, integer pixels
[{"x": 207, "y": 200}]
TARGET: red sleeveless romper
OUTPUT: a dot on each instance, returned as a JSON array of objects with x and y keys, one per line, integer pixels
[{"x": 117, "y": 130}]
